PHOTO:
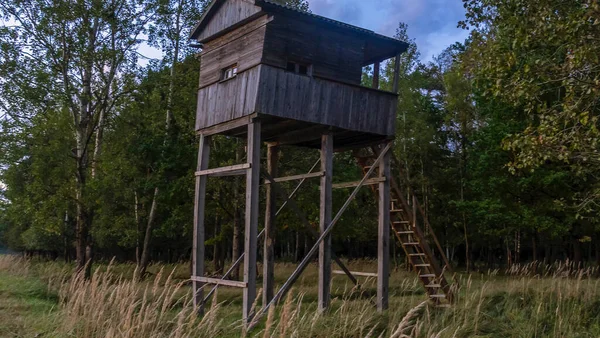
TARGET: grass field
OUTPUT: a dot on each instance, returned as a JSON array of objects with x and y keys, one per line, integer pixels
[{"x": 44, "y": 300}]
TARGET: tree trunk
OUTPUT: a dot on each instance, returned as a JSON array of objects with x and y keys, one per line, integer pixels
[
  {"x": 534, "y": 247},
  {"x": 138, "y": 227},
  {"x": 297, "y": 249},
  {"x": 168, "y": 125},
  {"x": 145, "y": 257},
  {"x": 217, "y": 247},
  {"x": 576, "y": 252}
]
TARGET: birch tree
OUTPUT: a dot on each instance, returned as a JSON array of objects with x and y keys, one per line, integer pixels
[{"x": 75, "y": 56}]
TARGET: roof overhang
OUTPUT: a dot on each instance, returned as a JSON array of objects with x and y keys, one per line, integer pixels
[{"x": 378, "y": 47}]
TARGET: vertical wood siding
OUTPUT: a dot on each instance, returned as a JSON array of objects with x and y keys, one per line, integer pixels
[
  {"x": 230, "y": 13},
  {"x": 289, "y": 95},
  {"x": 243, "y": 46},
  {"x": 228, "y": 100},
  {"x": 333, "y": 55}
]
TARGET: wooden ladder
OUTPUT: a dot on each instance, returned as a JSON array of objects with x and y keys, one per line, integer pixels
[{"x": 405, "y": 216}]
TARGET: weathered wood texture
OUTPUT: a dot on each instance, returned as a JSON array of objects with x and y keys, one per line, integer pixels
[
  {"x": 270, "y": 216},
  {"x": 251, "y": 228},
  {"x": 333, "y": 54},
  {"x": 383, "y": 237},
  {"x": 242, "y": 46},
  {"x": 324, "y": 220},
  {"x": 289, "y": 95},
  {"x": 199, "y": 233},
  {"x": 229, "y": 13},
  {"x": 228, "y": 100}
]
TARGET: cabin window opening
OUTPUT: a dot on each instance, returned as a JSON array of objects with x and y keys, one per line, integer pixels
[
  {"x": 299, "y": 68},
  {"x": 291, "y": 67},
  {"x": 229, "y": 72}
]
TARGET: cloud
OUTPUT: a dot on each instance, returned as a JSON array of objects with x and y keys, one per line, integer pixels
[{"x": 431, "y": 22}]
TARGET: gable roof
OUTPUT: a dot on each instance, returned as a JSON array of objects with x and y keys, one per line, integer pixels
[{"x": 391, "y": 46}]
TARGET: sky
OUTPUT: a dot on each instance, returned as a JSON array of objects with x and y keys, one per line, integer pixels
[{"x": 432, "y": 23}]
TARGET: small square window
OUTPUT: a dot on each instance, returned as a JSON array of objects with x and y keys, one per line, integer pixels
[
  {"x": 229, "y": 72},
  {"x": 303, "y": 69},
  {"x": 298, "y": 68}
]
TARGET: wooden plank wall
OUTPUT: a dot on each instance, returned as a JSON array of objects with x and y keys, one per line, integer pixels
[
  {"x": 289, "y": 95},
  {"x": 243, "y": 46},
  {"x": 230, "y": 13},
  {"x": 333, "y": 54},
  {"x": 228, "y": 100}
]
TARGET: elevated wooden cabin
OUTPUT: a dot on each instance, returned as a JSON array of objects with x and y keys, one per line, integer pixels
[
  {"x": 273, "y": 74},
  {"x": 298, "y": 72}
]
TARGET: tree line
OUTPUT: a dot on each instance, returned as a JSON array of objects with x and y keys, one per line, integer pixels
[{"x": 497, "y": 136}]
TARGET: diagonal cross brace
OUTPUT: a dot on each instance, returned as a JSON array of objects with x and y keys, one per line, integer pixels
[
  {"x": 239, "y": 260},
  {"x": 304, "y": 220},
  {"x": 285, "y": 288}
]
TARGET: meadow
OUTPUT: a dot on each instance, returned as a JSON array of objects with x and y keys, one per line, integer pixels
[{"x": 45, "y": 299}]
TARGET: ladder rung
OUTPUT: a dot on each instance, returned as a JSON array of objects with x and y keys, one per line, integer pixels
[
  {"x": 406, "y": 232},
  {"x": 401, "y": 222},
  {"x": 422, "y": 265},
  {"x": 433, "y": 286},
  {"x": 437, "y": 296},
  {"x": 397, "y": 210},
  {"x": 427, "y": 276},
  {"x": 412, "y": 243},
  {"x": 417, "y": 254}
]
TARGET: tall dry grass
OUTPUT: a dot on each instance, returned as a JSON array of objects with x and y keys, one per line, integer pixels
[
  {"x": 112, "y": 306},
  {"x": 563, "y": 301}
]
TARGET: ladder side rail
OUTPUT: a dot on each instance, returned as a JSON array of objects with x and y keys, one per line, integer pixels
[{"x": 426, "y": 222}]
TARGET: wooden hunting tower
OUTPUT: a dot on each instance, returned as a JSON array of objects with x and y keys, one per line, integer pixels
[{"x": 273, "y": 74}]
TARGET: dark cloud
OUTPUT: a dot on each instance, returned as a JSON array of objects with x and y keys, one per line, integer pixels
[{"x": 433, "y": 23}]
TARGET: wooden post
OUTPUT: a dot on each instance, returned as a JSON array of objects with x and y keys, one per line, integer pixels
[
  {"x": 376, "y": 72},
  {"x": 199, "y": 204},
  {"x": 324, "y": 220},
  {"x": 269, "y": 247},
  {"x": 383, "y": 238},
  {"x": 251, "y": 229},
  {"x": 397, "y": 73}
]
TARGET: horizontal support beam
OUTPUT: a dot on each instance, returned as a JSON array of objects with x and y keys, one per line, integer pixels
[
  {"x": 223, "y": 282},
  {"x": 354, "y": 273},
  {"x": 227, "y": 126},
  {"x": 296, "y": 177},
  {"x": 232, "y": 170},
  {"x": 371, "y": 181}
]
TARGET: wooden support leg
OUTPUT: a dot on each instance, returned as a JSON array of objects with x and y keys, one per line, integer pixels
[
  {"x": 199, "y": 203},
  {"x": 383, "y": 238},
  {"x": 269, "y": 247},
  {"x": 325, "y": 219},
  {"x": 251, "y": 229}
]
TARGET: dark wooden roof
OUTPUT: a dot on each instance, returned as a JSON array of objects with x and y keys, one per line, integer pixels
[{"x": 379, "y": 47}]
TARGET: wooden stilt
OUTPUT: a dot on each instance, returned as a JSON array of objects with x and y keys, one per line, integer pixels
[
  {"x": 269, "y": 246},
  {"x": 325, "y": 219},
  {"x": 309, "y": 256},
  {"x": 251, "y": 229},
  {"x": 376, "y": 72},
  {"x": 383, "y": 238},
  {"x": 199, "y": 204},
  {"x": 396, "y": 83}
]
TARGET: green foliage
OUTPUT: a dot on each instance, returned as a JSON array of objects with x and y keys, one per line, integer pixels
[
  {"x": 540, "y": 58},
  {"x": 497, "y": 137}
]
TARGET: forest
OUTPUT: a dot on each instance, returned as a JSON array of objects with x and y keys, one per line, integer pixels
[{"x": 498, "y": 137}]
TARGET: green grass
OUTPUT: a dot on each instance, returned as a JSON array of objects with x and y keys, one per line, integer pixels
[{"x": 27, "y": 309}]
